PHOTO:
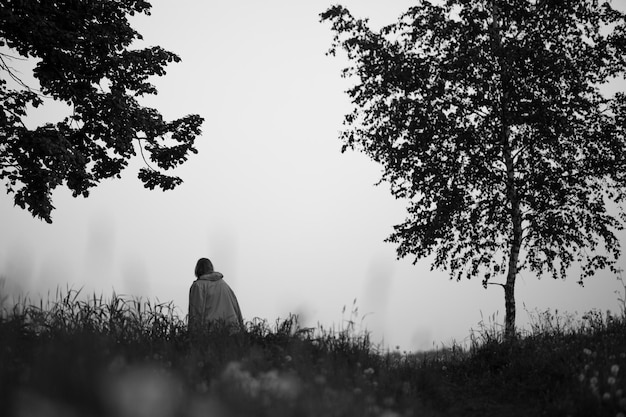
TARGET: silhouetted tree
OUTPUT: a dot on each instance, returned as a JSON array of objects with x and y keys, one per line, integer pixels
[
  {"x": 487, "y": 117},
  {"x": 83, "y": 58}
]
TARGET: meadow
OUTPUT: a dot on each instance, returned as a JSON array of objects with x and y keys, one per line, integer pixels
[{"x": 89, "y": 356}]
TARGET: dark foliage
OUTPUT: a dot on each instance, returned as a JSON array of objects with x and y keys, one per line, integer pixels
[{"x": 84, "y": 59}]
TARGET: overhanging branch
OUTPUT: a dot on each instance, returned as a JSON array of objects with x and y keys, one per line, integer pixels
[{"x": 14, "y": 77}]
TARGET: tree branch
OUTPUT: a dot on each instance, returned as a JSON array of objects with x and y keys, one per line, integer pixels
[
  {"x": 143, "y": 156},
  {"x": 18, "y": 117},
  {"x": 519, "y": 151},
  {"x": 6, "y": 165},
  {"x": 17, "y": 79}
]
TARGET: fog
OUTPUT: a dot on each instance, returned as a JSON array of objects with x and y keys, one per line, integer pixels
[{"x": 294, "y": 225}]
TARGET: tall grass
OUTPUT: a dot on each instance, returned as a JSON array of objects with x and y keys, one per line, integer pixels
[{"x": 87, "y": 355}]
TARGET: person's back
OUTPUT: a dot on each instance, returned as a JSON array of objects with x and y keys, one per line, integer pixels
[{"x": 211, "y": 300}]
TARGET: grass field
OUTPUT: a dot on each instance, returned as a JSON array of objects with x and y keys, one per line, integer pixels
[{"x": 90, "y": 356}]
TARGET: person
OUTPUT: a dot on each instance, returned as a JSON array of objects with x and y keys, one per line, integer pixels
[{"x": 211, "y": 300}]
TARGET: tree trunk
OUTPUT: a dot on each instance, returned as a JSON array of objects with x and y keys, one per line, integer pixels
[
  {"x": 515, "y": 242},
  {"x": 513, "y": 199},
  {"x": 509, "y": 287},
  {"x": 509, "y": 304}
]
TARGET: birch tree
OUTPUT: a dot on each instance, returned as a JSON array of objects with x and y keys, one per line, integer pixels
[{"x": 487, "y": 118}]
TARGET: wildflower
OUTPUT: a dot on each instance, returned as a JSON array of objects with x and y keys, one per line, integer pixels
[
  {"x": 587, "y": 352},
  {"x": 251, "y": 386},
  {"x": 117, "y": 364},
  {"x": 581, "y": 377},
  {"x": 280, "y": 385},
  {"x": 614, "y": 369},
  {"x": 389, "y": 413},
  {"x": 236, "y": 376},
  {"x": 611, "y": 380},
  {"x": 593, "y": 384},
  {"x": 606, "y": 396},
  {"x": 315, "y": 343},
  {"x": 288, "y": 358},
  {"x": 142, "y": 391},
  {"x": 202, "y": 387},
  {"x": 369, "y": 371},
  {"x": 444, "y": 368}
]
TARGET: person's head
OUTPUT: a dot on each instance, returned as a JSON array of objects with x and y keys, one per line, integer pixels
[{"x": 203, "y": 267}]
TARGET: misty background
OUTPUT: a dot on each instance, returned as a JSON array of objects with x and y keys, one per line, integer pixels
[{"x": 294, "y": 225}]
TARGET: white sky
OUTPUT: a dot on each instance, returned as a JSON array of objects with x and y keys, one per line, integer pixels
[{"x": 294, "y": 225}]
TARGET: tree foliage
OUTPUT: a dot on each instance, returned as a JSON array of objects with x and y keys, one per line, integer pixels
[
  {"x": 83, "y": 58},
  {"x": 488, "y": 118}
]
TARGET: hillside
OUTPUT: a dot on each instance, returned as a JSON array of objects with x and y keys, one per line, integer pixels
[{"x": 122, "y": 357}]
